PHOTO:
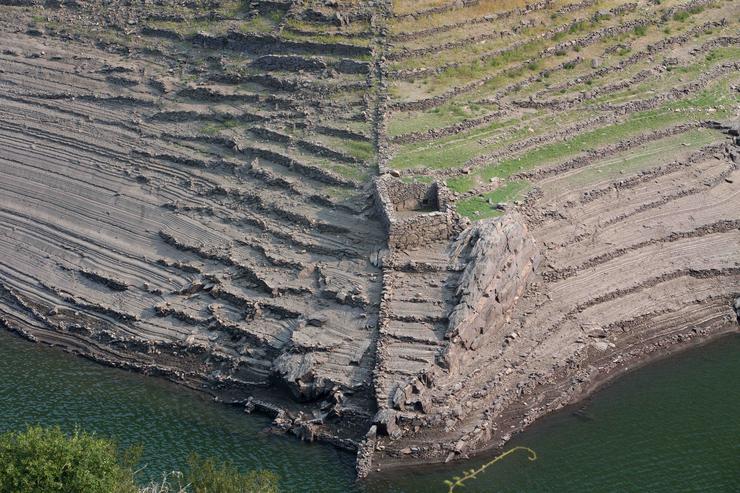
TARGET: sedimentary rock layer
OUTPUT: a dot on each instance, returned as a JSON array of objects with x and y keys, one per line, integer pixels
[
  {"x": 164, "y": 211},
  {"x": 409, "y": 228}
]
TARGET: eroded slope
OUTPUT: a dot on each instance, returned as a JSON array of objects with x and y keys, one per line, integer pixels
[
  {"x": 183, "y": 194},
  {"x": 188, "y": 191}
]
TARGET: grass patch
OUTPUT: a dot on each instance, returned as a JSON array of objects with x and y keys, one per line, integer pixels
[
  {"x": 718, "y": 98},
  {"x": 484, "y": 207},
  {"x": 351, "y": 172},
  {"x": 262, "y": 23},
  {"x": 647, "y": 155},
  {"x": 477, "y": 208},
  {"x": 441, "y": 116},
  {"x": 359, "y": 149},
  {"x": 455, "y": 150},
  {"x": 215, "y": 127},
  {"x": 639, "y": 123}
]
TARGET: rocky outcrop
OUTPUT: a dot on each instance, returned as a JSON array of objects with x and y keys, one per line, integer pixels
[
  {"x": 298, "y": 373},
  {"x": 501, "y": 261}
]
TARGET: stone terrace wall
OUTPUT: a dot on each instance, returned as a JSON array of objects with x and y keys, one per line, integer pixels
[{"x": 422, "y": 229}]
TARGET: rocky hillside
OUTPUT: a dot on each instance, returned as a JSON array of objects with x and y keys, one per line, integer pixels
[{"x": 190, "y": 189}]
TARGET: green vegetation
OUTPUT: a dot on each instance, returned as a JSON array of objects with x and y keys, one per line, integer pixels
[
  {"x": 455, "y": 150},
  {"x": 473, "y": 473},
  {"x": 510, "y": 74},
  {"x": 359, "y": 149},
  {"x": 263, "y": 23},
  {"x": 46, "y": 460},
  {"x": 446, "y": 114},
  {"x": 640, "y": 30},
  {"x": 206, "y": 476},
  {"x": 347, "y": 171},
  {"x": 215, "y": 127},
  {"x": 642, "y": 157},
  {"x": 485, "y": 206}
]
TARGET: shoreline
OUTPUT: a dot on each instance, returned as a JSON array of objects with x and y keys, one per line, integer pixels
[
  {"x": 576, "y": 399},
  {"x": 689, "y": 340},
  {"x": 660, "y": 347}
]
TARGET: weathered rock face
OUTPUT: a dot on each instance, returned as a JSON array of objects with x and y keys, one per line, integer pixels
[
  {"x": 501, "y": 260},
  {"x": 298, "y": 373},
  {"x": 487, "y": 268}
]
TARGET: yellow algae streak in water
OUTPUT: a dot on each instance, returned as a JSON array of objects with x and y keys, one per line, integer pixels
[{"x": 473, "y": 473}]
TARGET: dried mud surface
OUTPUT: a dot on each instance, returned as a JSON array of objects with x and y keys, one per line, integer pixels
[{"x": 187, "y": 191}]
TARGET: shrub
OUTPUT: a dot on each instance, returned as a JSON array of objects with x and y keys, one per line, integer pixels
[
  {"x": 205, "y": 476},
  {"x": 47, "y": 460},
  {"x": 680, "y": 16}
]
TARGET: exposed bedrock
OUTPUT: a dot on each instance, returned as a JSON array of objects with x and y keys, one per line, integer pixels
[
  {"x": 190, "y": 190},
  {"x": 501, "y": 260}
]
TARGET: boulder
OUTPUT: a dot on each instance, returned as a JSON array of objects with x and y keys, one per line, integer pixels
[
  {"x": 297, "y": 373},
  {"x": 385, "y": 422}
]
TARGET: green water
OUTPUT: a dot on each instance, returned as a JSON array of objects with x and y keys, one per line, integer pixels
[{"x": 669, "y": 427}]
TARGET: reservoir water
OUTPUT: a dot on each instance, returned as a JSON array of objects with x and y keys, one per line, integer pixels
[{"x": 668, "y": 427}]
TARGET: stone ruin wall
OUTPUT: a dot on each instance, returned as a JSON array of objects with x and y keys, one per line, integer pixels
[
  {"x": 392, "y": 196},
  {"x": 421, "y": 229}
]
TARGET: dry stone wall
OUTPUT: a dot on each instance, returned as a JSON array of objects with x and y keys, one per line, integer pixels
[{"x": 429, "y": 215}]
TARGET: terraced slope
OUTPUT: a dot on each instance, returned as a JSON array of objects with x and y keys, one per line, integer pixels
[
  {"x": 598, "y": 121},
  {"x": 183, "y": 193},
  {"x": 188, "y": 191}
]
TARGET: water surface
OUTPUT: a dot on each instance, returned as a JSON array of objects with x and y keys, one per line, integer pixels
[{"x": 668, "y": 427}]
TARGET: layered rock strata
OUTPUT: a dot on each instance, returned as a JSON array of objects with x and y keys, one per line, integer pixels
[{"x": 191, "y": 190}]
